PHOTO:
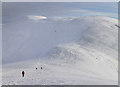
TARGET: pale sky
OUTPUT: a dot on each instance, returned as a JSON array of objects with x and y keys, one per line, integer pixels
[
  {"x": 60, "y": 0},
  {"x": 54, "y": 9}
]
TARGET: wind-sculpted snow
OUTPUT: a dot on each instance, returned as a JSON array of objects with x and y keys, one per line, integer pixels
[
  {"x": 77, "y": 51},
  {"x": 26, "y": 38}
]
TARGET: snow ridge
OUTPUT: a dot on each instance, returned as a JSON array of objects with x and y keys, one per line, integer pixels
[{"x": 79, "y": 51}]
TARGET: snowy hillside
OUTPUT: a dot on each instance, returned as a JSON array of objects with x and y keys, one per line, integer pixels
[
  {"x": 79, "y": 51},
  {"x": 30, "y": 38}
]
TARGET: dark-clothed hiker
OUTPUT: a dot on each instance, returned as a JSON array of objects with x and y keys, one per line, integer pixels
[
  {"x": 41, "y": 67},
  {"x": 36, "y": 68},
  {"x": 23, "y": 73}
]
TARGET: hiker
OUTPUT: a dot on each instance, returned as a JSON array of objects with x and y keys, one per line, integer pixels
[
  {"x": 36, "y": 68},
  {"x": 23, "y": 73},
  {"x": 41, "y": 67}
]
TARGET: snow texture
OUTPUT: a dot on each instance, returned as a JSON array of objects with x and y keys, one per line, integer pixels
[{"x": 72, "y": 51}]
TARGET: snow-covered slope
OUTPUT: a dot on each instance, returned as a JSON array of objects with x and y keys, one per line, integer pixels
[
  {"x": 70, "y": 50},
  {"x": 26, "y": 38}
]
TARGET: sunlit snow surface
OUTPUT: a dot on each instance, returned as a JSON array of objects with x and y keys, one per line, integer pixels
[{"x": 75, "y": 51}]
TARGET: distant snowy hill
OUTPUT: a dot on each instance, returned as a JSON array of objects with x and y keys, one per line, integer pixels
[
  {"x": 26, "y": 38},
  {"x": 70, "y": 50}
]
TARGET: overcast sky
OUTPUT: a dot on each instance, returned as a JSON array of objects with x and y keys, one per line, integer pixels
[
  {"x": 60, "y": 0},
  {"x": 23, "y": 9}
]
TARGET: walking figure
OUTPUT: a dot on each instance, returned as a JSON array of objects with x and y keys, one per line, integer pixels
[
  {"x": 23, "y": 73},
  {"x": 41, "y": 67},
  {"x": 36, "y": 68}
]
